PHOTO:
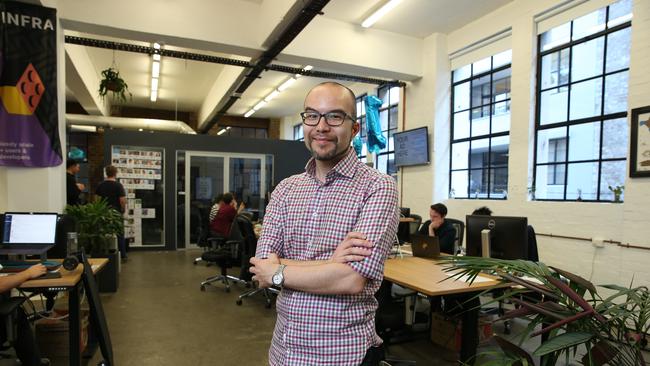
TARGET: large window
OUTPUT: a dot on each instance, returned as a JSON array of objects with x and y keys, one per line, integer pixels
[
  {"x": 480, "y": 128},
  {"x": 581, "y": 124},
  {"x": 298, "y": 132},
  {"x": 388, "y": 117}
]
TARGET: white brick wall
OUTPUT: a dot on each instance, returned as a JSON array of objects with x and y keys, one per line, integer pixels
[{"x": 628, "y": 222}]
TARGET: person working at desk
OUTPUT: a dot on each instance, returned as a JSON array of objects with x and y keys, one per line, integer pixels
[
  {"x": 25, "y": 344},
  {"x": 438, "y": 226},
  {"x": 325, "y": 238},
  {"x": 224, "y": 217}
]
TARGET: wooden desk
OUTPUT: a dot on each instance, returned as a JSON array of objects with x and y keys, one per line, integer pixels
[
  {"x": 406, "y": 219},
  {"x": 425, "y": 276},
  {"x": 70, "y": 281}
]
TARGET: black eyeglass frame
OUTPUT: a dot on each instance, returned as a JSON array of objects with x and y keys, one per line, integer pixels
[{"x": 327, "y": 120}]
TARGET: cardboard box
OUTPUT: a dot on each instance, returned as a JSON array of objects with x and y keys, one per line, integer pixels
[
  {"x": 53, "y": 338},
  {"x": 447, "y": 331}
]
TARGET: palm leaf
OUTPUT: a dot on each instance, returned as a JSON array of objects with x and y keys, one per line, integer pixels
[{"x": 562, "y": 342}]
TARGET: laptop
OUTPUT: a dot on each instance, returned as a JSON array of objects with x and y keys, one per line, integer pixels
[
  {"x": 425, "y": 246},
  {"x": 28, "y": 233}
]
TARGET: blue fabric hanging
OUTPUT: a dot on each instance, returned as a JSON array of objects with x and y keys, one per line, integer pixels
[
  {"x": 376, "y": 141},
  {"x": 357, "y": 143}
]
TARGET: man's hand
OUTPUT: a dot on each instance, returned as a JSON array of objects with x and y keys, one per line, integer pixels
[
  {"x": 81, "y": 186},
  {"x": 354, "y": 248},
  {"x": 35, "y": 271},
  {"x": 264, "y": 269}
]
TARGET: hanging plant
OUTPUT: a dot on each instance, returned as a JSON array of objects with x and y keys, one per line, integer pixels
[{"x": 111, "y": 81}]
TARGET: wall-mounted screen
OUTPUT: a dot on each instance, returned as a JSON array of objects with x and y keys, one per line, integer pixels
[{"x": 412, "y": 147}]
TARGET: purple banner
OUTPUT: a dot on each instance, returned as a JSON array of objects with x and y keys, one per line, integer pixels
[{"x": 29, "y": 126}]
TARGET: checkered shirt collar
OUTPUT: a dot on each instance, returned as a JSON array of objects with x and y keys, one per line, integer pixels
[{"x": 347, "y": 167}]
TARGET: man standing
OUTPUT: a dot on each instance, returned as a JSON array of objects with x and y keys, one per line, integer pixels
[
  {"x": 114, "y": 193},
  {"x": 325, "y": 237},
  {"x": 438, "y": 226},
  {"x": 72, "y": 187}
]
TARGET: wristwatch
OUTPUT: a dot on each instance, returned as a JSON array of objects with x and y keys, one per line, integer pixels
[{"x": 278, "y": 277}]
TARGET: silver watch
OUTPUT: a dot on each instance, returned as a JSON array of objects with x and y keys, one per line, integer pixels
[{"x": 278, "y": 277}]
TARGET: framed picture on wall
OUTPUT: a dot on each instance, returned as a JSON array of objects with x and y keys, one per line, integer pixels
[{"x": 640, "y": 143}]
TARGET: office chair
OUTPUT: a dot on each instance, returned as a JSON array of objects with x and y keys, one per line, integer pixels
[
  {"x": 9, "y": 313},
  {"x": 414, "y": 226},
  {"x": 460, "y": 233},
  {"x": 226, "y": 255},
  {"x": 250, "y": 247},
  {"x": 389, "y": 320}
]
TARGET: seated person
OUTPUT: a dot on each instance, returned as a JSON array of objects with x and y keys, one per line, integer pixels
[
  {"x": 215, "y": 208},
  {"x": 25, "y": 344},
  {"x": 222, "y": 221},
  {"x": 483, "y": 210},
  {"x": 437, "y": 226}
]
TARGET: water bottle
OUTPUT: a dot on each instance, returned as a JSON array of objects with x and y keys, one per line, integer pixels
[{"x": 72, "y": 244}]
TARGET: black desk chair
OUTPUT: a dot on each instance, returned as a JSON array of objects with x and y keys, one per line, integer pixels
[
  {"x": 250, "y": 247},
  {"x": 389, "y": 320},
  {"x": 227, "y": 253},
  {"x": 460, "y": 233},
  {"x": 9, "y": 314},
  {"x": 415, "y": 225}
]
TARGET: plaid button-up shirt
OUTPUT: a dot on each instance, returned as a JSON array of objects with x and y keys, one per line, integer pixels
[{"x": 306, "y": 220}]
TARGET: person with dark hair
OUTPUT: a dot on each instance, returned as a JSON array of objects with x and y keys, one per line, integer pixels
[
  {"x": 25, "y": 344},
  {"x": 73, "y": 189},
  {"x": 215, "y": 207},
  {"x": 113, "y": 191},
  {"x": 439, "y": 227},
  {"x": 224, "y": 217},
  {"x": 325, "y": 238},
  {"x": 483, "y": 210}
]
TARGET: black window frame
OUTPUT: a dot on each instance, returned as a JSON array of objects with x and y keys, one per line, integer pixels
[
  {"x": 488, "y": 171},
  {"x": 296, "y": 128},
  {"x": 601, "y": 117}
]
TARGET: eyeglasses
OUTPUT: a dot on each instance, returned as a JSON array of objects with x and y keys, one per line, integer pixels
[{"x": 312, "y": 118}]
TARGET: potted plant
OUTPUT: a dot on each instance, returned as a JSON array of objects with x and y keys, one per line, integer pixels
[
  {"x": 97, "y": 225},
  {"x": 618, "y": 191},
  {"x": 612, "y": 329},
  {"x": 111, "y": 81}
]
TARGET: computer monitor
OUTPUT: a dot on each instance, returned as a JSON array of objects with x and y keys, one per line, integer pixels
[
  {"x": 507, "y": 236},
  {"x": 28, "y": 229}
]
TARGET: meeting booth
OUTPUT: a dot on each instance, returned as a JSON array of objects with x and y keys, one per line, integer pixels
[{"x": 172, "y": 179}]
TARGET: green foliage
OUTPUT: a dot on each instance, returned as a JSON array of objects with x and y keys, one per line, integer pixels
[
  {"x": 111, "y": 81},
  {"x": 571, "y": 311},
  {"x": 97, "y": 223}
]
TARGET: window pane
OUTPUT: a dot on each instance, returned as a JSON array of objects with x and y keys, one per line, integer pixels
[
  {"x": 501, "y": 59},
  {"x": 555, "y": 69},
  {"x": 260, "y": 133},
  {"x": 501, "y": 117},
  {"x": 591, "y": 23},
  {"x": 479, "y": 153},
  {"x": 619, "y": 12},
  {"x": 582, "y": 181},
  {"x": 481, "y": 121},
  {"x": 459, "y": 181},
  {"x": 586, "y": 99},
  {"x": 382, "y": 93},
  {"x": 481, "y": 91},
  {"x": 618, "y": 50},
  {"x": 501, "y": 85},
  {"x": 382, "y": 163},
  {"x": 248, "y": 132},
  {"x": 554, "y": 106},
  {"x": 613, "y": 174},
  {"x": 481, "y": 66},
  {"x": 364, "y": 132},
  {"x": 459, "y": 153},
  {"x": 615, "y": 140},
  {"x": 499, "y": 151},
  {"x": 383, "y": 120},
  {"x": 478, "y": 183},
  {"x": 392, "y": 122},
  {"x": 394, "y": 95},
  {"x": 556, "y": 36},
  {"x": 549, "y": 182},
  {"x": 391, "y": 141},
  {"x": 392, "y": 169},
  {"x": 584, "y": 141},
  {"x": 461, "y": 97},
  {"x": 587, "y": 59},
  {"x": 549, "y": 145},
  {"x": 461, "y": 125},
  {"x": 498, "y": 182},
  {"x": 462, "y": 73},
  {"x": 616, "y": 92}
]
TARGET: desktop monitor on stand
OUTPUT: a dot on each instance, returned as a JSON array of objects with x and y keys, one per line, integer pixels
[{"x": 506, "y": 237}]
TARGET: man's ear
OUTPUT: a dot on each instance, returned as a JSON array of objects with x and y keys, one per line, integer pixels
[{"x": 356, "y": 127}]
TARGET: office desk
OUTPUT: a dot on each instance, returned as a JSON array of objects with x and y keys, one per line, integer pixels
[
  {"x": 406, "y": 219},
  {"x": 70, "y": 281},
  {"x": 424, "y": 275}
]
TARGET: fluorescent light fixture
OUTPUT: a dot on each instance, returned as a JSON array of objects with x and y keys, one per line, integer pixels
[
  {"x": 154, "y": 95},
  {"x": 374, "y": 17},
  {"x": 156, "y": 45},
  {"x": 223, "y": 130},
  {"x": 83, "y": 128},
  {"x": 286, "y": 84},
  {"x": 308, "y": 67},
  {"x": 271, "y": 96},
  {"x": 259, "y": 105},
  {"x": 249, "y": 113},
  {"x": 156, "y": 57},
  {"x": 154, "y": 84},
  {"x": 139, "y": 129},
  {"x": 155, "y": 69}
]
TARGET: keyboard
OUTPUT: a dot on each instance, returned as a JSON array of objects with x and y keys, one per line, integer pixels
[{"x": 19, "y": 266}]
